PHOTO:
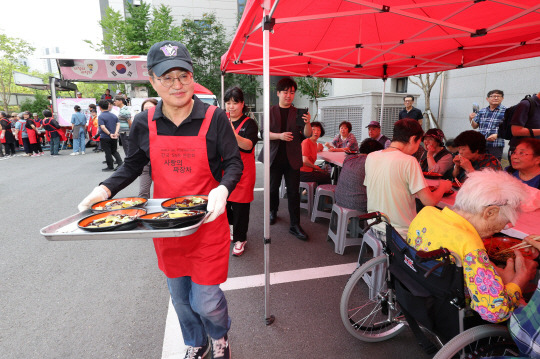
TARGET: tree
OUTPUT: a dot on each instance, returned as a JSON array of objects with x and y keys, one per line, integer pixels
[
  {"x": 206, "y": 42},
  {"x": 39, "y": 104},
  {"x": 313, "y": 88},
  {"x": 11, "y": 50},
  {"x": 426, "y": 83},
  {"x": 135, "y": 34}
]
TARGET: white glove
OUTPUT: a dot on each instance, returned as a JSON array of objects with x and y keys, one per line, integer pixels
[
  {"x": 98, "y": 194},
  {"x": 217, "y": 200}
]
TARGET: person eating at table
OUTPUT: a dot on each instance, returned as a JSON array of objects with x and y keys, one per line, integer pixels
[
  {"x": 436, "y": 158},
  {"x": 350, "y": 190},
  {"x": 192, "y": 150},
  {"x": 394, "y": 179},
  {"x": 344, "y": 140},
  {"x": 310, "y": 172},
  {"x": 238, "y": 204},
  {"x": 525, "y": 162},
  {"x": 486, "y": 203},
  {"x": 472, "y": 155}
]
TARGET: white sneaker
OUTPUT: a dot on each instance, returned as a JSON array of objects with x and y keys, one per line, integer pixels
[
  {"x": 238, "y": 249},
  {"x": 82, "y": 153},
  {"x": 35, "y": 155},
  {"x": 74, "y": 154}
]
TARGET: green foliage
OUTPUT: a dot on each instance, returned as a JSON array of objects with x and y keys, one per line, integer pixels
[
  {"x": 39, "y": 104},
  {"x": 11, "y": 50},
  {"x": 205, "y": 40},
  {"x": 313, "y": 88},
  {"x": 138, "y": 32}
]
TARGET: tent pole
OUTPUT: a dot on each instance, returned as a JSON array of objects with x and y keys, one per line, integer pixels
[
  {"x": 382, "y": 100},
  {"x": 269, "y": 319},
  {"x": 223, "y": 90}
]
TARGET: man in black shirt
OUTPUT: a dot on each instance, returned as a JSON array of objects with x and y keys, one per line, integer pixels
[
  {"x": 286, "y": 138},
  {"x": 409, "y": 111},
  {"x": 192, "y": 150}
]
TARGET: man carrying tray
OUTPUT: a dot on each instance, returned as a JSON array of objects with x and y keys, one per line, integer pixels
[{"x": 192, "y": 150}]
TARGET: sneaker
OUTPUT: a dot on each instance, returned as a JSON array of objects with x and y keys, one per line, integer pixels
[
  {"x": 42, "y": 154},
  {"x": 82, "y": 153},
  {"x": 74, "y": 154},
  {"x": 35, "y": 155},
  {"x": 238, "y": 249},
  {"x": 197, "y": 352},
  {"x": 231, "y": 230},
  {"x": 221, "y": 348},
  {"x": 107, "y": 169}
]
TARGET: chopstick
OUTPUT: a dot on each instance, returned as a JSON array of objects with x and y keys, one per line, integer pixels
[
  {"x": 457, "y": 182},
  {"x": 520, "y": 245}
]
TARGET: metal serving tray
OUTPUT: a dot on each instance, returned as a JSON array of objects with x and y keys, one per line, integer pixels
[{"x": 67, "y": 229}]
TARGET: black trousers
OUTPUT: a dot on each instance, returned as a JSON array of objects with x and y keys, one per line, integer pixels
[
  {"x": 238, "y": 216},
  {"x": 292, "y": 180},
  {"x": 124, "y": 142},
  {"x": 109, "y": 146},
  {"x": 318, "y": 177}
]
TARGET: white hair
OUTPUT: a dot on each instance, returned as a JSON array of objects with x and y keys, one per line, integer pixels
[{"x": 489, "y": 187}]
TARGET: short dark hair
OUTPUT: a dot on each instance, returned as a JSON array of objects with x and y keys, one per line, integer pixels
[
  {"x": 411, "y": 96},
  {"x": 285, "y": 84},
  {"x": 77, "y": 108},
  {"x": 92, "y": 106},
  {"x": 120, "y": 98},
  {"x": 346, "y": 123},
  {"x": 473, "y": 139},
  {"x": 406, "y": 128},
  {"x": 3, "y": 114},
  {"x": 47, "y": 113},
  {"x": 235, "y": 94},
  {"x": 103, "y": 104},
  {"x": 532, "y": 142},
  {"x": 370, "y": 145},
  {"x": 320, "y": 126},
  {"x": 500, "y": 92},
  {"x": 108, "y": 90},
  {"x": 153, "y": 100}
]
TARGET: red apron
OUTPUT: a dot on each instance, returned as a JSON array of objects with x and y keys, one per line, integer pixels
[
  {"x": 46, "y": 123},
  {"x": 20, "y": 132},
  {"x": 243, "y": 192},
  {"x": 180, "y": 167}
]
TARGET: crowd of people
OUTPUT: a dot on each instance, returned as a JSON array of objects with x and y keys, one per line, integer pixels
[{"x": 183, "y": 145}]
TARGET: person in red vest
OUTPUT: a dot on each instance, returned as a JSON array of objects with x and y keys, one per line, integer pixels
[
  {"x": 192, "y": 150},
  {"x": 238, "y": 204},
  {"x": 106, "y": 95},
  {"x": 51, "y": 127}
]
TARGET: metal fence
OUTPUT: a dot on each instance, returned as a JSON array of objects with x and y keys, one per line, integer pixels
[{"x": 332, "y": 116}]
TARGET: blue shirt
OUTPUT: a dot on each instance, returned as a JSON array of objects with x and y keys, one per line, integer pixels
[
  {"x": 78, "y": 119},
  {"x": 533, "y": 182},
  {"x": 109, "y": 120},
  {"x": 488, "y": 123}
]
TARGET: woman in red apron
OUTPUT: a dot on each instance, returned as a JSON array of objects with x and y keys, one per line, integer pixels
[
  {"x": 22, "y": 135},
  {"x": 238, "y": 203},
  {"x": 51, "y": 130},
  {"x": 33, "y": 137},
  {"x": 6, "y": 135}
]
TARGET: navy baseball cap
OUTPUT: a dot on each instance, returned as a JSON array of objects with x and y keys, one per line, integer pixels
[
  {"x": 166, "y": 55},
  {"x": 374, "y": 124}
]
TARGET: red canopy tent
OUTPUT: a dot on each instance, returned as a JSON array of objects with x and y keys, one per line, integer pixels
[
  {"x": 359, "y": 39},
  {"x": 374, "y": 39}
]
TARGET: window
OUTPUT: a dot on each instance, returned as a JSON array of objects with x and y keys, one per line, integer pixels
[
  {"x": 241, "y": 7},
  {"x": 401, "y": 84}
]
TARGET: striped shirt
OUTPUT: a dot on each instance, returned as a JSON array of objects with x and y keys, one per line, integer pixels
[{"x": 488, "y": 123}]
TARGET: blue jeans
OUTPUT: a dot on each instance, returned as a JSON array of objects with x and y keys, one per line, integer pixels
[
  {"x": 79, "y": 144},
  {"x": 201, "y": 309},
  {"x": 55, "y": 145}
]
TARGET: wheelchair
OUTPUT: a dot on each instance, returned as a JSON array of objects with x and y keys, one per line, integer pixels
[{"x": 424, "y": 291}]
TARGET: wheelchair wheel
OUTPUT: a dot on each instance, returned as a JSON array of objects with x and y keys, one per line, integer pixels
[
  {"x": 480, "y": 342},
  {"x": 368, "y": 308}
]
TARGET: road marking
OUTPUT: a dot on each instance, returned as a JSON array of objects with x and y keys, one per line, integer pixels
[{"x": 173, "y": 343}]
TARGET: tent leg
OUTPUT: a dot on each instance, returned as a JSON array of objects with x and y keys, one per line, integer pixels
[
  {"x": 223, "y": 90},
  {"x": 269, "y": 319},
  {"x": 382, "y": 100}
]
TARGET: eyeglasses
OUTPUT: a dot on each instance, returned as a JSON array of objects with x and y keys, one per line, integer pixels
[
  {"x": 184, "y": 79},
  {"x": 408, "y": 100},
  {"x": 520, "y": 154},
  {"x": 495, "y": 96}
]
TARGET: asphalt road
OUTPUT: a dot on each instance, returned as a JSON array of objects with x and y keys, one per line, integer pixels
[{"x": 108, "y": 299}]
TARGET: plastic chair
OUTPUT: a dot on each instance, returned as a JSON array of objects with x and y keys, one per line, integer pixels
[
  {"x": 339, "y": 223},
  {"x": 307, "y": 203},
  {"x": 320, "y": 208}
]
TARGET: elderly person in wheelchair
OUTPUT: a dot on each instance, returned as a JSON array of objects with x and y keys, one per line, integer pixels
[{"x": 487, "y": 203}]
